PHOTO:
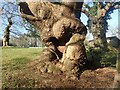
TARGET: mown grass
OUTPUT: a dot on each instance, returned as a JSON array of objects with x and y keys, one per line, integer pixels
[
  {"x": 13, "y": 63},
  {"x": 16, "y": 58},
  {"x": 16, "y": 75}
]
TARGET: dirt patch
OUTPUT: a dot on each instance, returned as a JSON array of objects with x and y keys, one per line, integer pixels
[
  {"x": 99, "y": 78},
  {"x": 32, "y": 77}
]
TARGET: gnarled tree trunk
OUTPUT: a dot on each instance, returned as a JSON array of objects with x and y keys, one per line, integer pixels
[{"x": 57, "y": 23}]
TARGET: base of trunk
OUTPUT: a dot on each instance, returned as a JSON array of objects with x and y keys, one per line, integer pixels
[
  {"x": 117, "y": 81},
  {"x": 73, "y": 60},
  {"x": 5, "y": 43}
]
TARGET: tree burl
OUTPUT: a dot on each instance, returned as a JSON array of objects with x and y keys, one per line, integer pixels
[{"x": 57, "y": 23}]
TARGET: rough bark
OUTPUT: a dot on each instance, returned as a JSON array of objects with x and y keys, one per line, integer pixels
[
  {"x": 57, "y": 23},
  {"x": 7, "y": 33},
  {"x": 98, "y": 30},
  {"x": 116, "y": 84},
  {"x": 74, "y": 56}
]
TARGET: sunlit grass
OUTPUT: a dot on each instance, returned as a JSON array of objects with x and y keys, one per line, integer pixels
[
  {"x": 15, "y": 74},
  {"x": 15, "y": 58},
  {"x": 14, "y": 62}
]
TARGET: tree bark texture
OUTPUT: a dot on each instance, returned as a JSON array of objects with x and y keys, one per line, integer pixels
[
  {"x": 116, "y": 84},
  {"x": 98, "y": 30},
  {"x": 58, "y": 23},
  {"x": 97, "y": 24}
]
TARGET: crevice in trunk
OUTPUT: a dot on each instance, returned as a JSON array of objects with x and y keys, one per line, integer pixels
[{"x": 58, "y": 27}]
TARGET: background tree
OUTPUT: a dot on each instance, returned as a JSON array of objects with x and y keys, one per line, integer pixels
[
  {"x": 7, "y": 33},
  {"x": 9, "y": 14},
  {"x": 14, "y": 24},
  {"x": 116, "y": 44},
  {"x": 98, "y": 14},
  {"x": 117, "y": 75},
  {"x": 32, "y": 34}
]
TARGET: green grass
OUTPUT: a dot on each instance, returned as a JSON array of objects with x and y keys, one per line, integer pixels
[
  {"x": 100, "y": 58},
  {"x": 14, "y": 62},
  {"x": 15, "y": 74},
  {"x": 16, "y": 58}
]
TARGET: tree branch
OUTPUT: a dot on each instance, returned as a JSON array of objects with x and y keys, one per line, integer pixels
[
  {"x": 98, "y": 9},
  {"x": 104, "y": 10},
  {"x": 16, "y": 33},
  {"x": 30, "y": 17},
  {"x": 110, "y": 7},
  {"x": 85, "y": 12},
  {"x": 116, "y": 5}
]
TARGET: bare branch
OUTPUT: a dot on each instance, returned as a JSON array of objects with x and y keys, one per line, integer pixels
[
  {"x": 104, "y": 10},
  {"x": 98, "y": 9},
  {"x": 109, "y": 5},
  {"x": 30, "y": 17},
  {"x": 116, "y": 5},
  {"x": 16, "y": 33},
  {"x": 85, "y": 12}
]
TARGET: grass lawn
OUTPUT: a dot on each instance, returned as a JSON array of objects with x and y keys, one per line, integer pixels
[
  {"x": 16, "y": 74},
  {"x": 16, "y": 58},
  {"x": 14, "y": 61}
]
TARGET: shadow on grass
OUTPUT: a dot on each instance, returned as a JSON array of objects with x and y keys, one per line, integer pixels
[{"x": 98, "y": 58}]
